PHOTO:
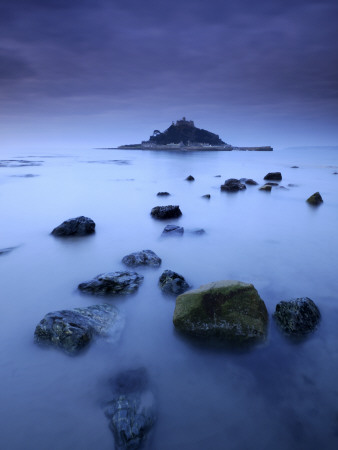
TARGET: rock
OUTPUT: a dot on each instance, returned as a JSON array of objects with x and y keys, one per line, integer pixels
[
  {"x": 112, "y": 283},
  {"x": 277, "y": 176},
  {"x": 80, "y": 226},
  {"x": 315, "y": 199},
  {"x": 166, "y": 212},
  {"x": 283, "y": 187},
  {"x": 173, "y": 230},
  {"x": 162, "y": 194},
  {"x": 335, "y": 173},
  {"x": 207, "y": 196},
  {"x": 251, "y": 182},
  {"x": 292, "y": 185},
  {"x": 173, "y": 283},
  {"x": 4, "y": 251},
  {"x": 266, "y": 187},
  {"x": 72, "y": 330},
  {"x": 217, "y": 176},
  {"x": 190, "y": 178},
  {"x": 196, "y": 231},
  {"x": 294, "y": 167},
  {"x": 132, "y": 411},
  {"x": 232, "y": 185},
  {"x": 271, "y": 184},
  {"x": 142, "y": 258},
  {"x": 230, "y": 310},
  {"x": 298, "y": 316}
]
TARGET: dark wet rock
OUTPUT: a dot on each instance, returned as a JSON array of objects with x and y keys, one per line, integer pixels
[
  {"x": 315, "y": 199},
  {"x": 271, "y": 184},
  {"x": 217, "y": 176},
  {"x": 297, "y": 316},
  {"x": 162, "y": 194},
  {"x": 173, "y": 230},
  {"x": 206, "y": 196},
  {"x": 142, "y": 258},
  {"x": 132, "y": 410},
  {"x": 166, "y": 212},
  {"x": 232, "y": 185},
  {"x": 112, "y": 283},
  {"x": 266, "y": 187},
  {"x": 230, "y": 310},
  {"x": 4, "y": 251},
  {"x": 190, "y": 178},
  {"x": 79, "y": 226},
  {"x": 294, "y": 167},
  {"x": 274, "y": 176},
  {"x": 173, "y": 283},
  {"x": 251, "y": 182},
  {"x": 72, "y": 330}
]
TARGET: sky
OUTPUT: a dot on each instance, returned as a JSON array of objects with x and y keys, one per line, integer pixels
[{"x": 101, "y": 73}]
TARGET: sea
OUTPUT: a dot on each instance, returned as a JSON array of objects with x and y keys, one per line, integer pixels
[{"x": 280, "y": 394}]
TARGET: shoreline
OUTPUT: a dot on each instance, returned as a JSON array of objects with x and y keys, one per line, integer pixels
[{"x": 189, "y": 148}]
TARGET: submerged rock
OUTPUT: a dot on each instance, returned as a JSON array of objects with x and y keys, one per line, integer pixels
[
  {"x": 190, "y": 178},
  {"x": 166, "y": 212},
  {"x": 173, "y": 230},
  {"x": 266, "y": 187},
  {"x": 207, "y": 196},
  {"x": 72, "y": 330},
  {"x": 162, "y": 194},
  {"x": 232, "y": 185},
  {"x": 173, "y": 283},
  {"x": 142, "y": 258},
  {"x": 132, "y": 411},
  {"x": 230, "y": 310},
  {"x": 277, "y": 176},
  {"x": 315, "y": 199},
  {"x": 79, "y": 226},
  {"x": 196, "y": 231},
  {"x": 251, "y": 182},
  {"x": 297, "y": 316},
  {"x": 4, "y": 251},
  {"x": 112, "y": 283},
  {"x": 271, "y": 184}
]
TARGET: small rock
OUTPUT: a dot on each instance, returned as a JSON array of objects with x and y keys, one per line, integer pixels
[
  {"x": 217, "y": 176},
  {"x": 132, "y": 411},
  {"x": 72, "y": 330},
  {"x": 112, "y": 283},
  {"x": 277, "y": 176},
  {"x": 232, "y": 185},
  {"x": 173, "y": 230},
  {"x": 266, "y": 188},
  {"x": 166, "y": 212},
  {"x": 283, "y": 187},
  {"x": 190, "y": 178},
  {"x": 173, "y": 283},
  {"x": 298, "y": 316},
  {"x": 142, "y": 258},
  {"x": 294, "y": 167},
  {"x": 196, "y": 231},
  {"x": 315, "y": 199},
  {"x": 207, "y": 196},
  {"x": 162, "y": 194},
  {"x": 80, "y": 226},
  {"x": 292, "y": 185},
  {"x": 251, "y": 182},
  {"x": 271, "y": 184}
]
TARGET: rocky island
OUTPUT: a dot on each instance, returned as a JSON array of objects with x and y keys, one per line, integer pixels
[{"x": 184, "y": 136}]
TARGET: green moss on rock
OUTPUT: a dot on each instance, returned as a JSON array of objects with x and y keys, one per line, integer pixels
[{"x": 227, "y": 309}]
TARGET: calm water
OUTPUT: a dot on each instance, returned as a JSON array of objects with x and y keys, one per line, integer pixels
[{"x": 280, "y": 395}]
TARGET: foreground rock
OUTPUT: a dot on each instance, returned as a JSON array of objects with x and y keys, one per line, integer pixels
[
  {"x": 80, "y": 226},
  {"x": 274, "y": 176},
  {"x": 173, "y": 230},
  {"x": 298, "y": 316},
  {"x": 142, "y": 258},
  {"x": 72, "y": 330},
  {"x": 166, "y": 212},
  {"x": 232, "y": 185},
  {"x": 112, "y": 283},
  {"x": 315, "y": 199},
  {"x": 230, "y": 310},
  {"x": 173, "y": 283},
  {"x": 132, "y": 411}
]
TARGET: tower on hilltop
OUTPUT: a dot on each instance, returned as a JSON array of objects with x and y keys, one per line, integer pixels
[{"x": 185, "y": 122}]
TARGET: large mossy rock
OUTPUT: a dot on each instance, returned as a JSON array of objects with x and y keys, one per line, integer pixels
[
  {"x": 297, "y": 317},
  {"x": 231, "y": 310},
  {"x": 79, "y": 226},
  {"x": 72, "y": 330},
  {"x": 112, "y": 283}
]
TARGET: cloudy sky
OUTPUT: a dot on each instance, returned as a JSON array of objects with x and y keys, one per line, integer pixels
[{"x": 107, "y": 72}]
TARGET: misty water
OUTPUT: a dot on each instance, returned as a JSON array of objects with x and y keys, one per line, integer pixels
[{"x": 281, "y": 394}]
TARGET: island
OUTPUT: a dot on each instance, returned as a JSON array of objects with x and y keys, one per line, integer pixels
[{"x": 184, "y": 136}]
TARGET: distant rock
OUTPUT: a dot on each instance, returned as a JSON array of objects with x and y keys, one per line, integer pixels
[
  {"x": 112, "y": 283},
  {"x": 292, "y": 185},
  {"x": 142, "y": 258},
  {"x": 230, "y": 310},
  {"x": 251, "y": 182},
  {"x": 173, "y": 230},
  {"x": 271, "y": 184},
  {"x": 206, "y": 196},
  {"x": 163, "y": 194},
  {"x": 166, "y": 212},
  {"x": 277, "y": 176},
  {"x": 173, "y": 283},
  {"x": 298, "y": 316},
  {"x": 79, "y": 226},
  {"x": 294, "y": 167},
  {"x": 132, "y": 410},
  {"x": 315, "y": 199},
  {"x": 72, "y": 330},
  {"x": 266, "y": 187},
  {"x": 232, "y": 185},
  {"x": 217, "y": 176},
  {"x": 190, "y": 178}
]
